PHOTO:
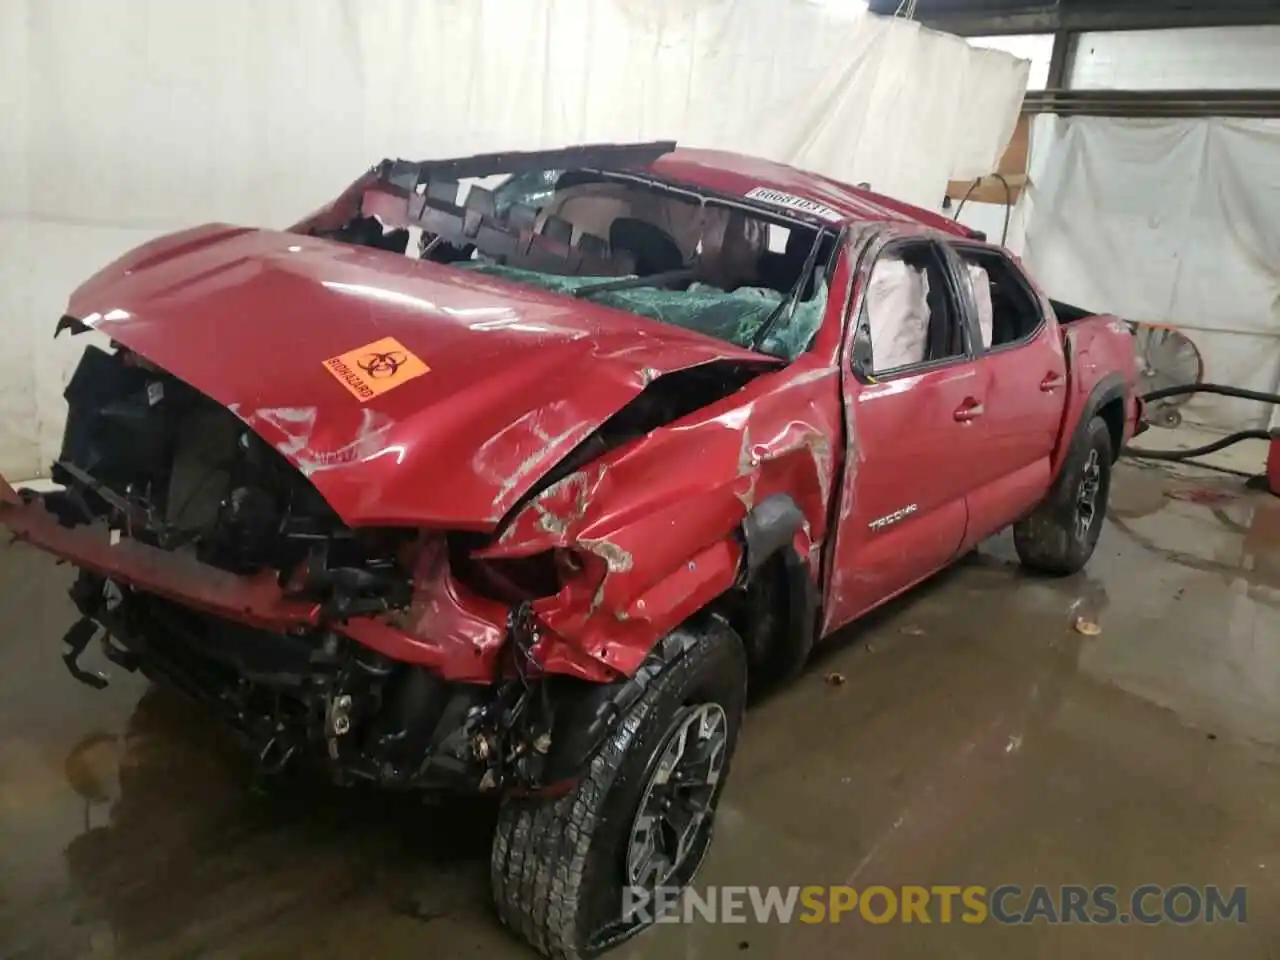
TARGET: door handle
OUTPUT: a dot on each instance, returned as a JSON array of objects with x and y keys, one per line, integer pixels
[
  {"x": 1051, "y": 382},
  {"x": 971, "y": 410}
]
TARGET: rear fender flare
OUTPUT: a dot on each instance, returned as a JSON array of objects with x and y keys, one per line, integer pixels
[{"x": 1109, "y": 388}]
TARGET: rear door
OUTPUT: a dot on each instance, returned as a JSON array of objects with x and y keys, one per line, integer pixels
[
  {"x": 1021, "y": 360},
  {"x": 914, "y": 405}
]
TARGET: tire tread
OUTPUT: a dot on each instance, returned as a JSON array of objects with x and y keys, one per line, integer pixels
[
  {"x": 541, "y": 845},
  {"x": 1045, "y": 541}
]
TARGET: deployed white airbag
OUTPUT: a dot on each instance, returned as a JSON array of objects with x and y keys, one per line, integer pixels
[
  {"x": 981, "y": 284},
  {"x": 897, "y": 314}
]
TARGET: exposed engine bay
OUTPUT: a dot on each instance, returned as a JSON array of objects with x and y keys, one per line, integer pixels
[
  {"x": 166, "y": 465},
  {"x": 159, "y": 463}
]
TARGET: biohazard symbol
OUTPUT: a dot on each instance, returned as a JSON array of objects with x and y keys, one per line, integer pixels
[
  {"x": 382, "y": 365},
  {"x": 376, "y": 368}
]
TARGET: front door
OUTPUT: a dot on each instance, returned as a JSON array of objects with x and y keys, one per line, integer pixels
[{"x": 914, "y": 407}]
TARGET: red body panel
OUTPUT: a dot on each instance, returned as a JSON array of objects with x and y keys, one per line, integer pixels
[
  {"x": 1025, "y": 388},
  {"x": 1098, "y": 348},
  {"x": 447, "y": 629},
  {"x": 518, "y": 377},
  {"x": 660, "y": 513},
  {"x": 737, "y": 175},
  {"x": 897, "y": 431},
  {"x": 940, "y": 459},
  {"x": 1273, "y": 463},
  {"x": 256, "y": 601}
]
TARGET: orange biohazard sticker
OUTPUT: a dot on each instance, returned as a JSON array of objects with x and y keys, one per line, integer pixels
[{"x": 376, "y": 368}]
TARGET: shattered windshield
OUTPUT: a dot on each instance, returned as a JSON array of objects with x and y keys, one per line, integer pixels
[
  {"x": 737, "y": 317},
  {"x": 620, "y": 239}
]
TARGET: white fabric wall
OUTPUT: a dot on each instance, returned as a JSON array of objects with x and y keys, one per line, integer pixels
[
  {"x": 1169, "y": 221},
  {"x": 1035, "y": 48},
  {"x": 127, "y": 119}
]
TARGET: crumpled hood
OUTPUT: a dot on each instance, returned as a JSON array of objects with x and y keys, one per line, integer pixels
[{"x": 409, "y": 393}]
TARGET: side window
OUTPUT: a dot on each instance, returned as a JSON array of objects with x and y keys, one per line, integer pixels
[
  {"x": 1007, "y": 311},
  {"x": 909, "y": 317}
]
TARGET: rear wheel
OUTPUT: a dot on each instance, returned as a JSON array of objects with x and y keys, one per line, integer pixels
[
  {"x": 1060, "y": 536},
  {"x": 564, "y": 868}
]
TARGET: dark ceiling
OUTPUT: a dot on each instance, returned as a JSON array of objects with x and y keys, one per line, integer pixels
[{"x": 982, "y": 17}]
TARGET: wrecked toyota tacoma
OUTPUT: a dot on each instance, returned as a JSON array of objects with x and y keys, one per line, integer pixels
[{"x": 510, "y": 474}]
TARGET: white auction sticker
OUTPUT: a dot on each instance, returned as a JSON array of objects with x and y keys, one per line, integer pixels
[{"x": 780, "y": 199}]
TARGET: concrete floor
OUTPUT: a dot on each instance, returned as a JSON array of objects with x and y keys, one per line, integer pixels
[{"x": 978, "y": 739}]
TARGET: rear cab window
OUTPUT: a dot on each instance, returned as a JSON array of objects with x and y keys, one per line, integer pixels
[{"x": 1007, "y": 311}]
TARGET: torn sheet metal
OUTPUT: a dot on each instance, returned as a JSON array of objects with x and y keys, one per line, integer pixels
[
  {"x": 256, "y": 601},
  {"x": 656, "y": 519}
]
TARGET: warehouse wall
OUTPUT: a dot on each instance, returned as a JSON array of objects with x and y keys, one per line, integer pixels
[
  {"x": 122, "y": 121},
  {"x": 1240, "y": 58}
]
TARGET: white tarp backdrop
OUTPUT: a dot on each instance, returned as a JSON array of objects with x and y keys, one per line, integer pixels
[
  {"x": 124, "y": 120},
  {"x": 1167, "y": 221}
]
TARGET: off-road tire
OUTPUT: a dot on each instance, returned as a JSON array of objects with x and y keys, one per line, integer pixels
[
  {"x": 558, "y": 864},
  {"x": 1049, "y": 541}
]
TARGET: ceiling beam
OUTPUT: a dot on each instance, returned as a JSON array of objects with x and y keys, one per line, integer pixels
[
  {"x": 991, "y": 17},
  {"x": 1154, "y": 103},
  {"x": 1061, "y": 59}
]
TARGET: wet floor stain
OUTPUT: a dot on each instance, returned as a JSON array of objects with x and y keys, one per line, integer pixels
[{"x": 977, "y": 738}]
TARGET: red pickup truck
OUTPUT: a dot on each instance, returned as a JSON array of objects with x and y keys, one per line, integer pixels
[{"x": 516, "y": 490}]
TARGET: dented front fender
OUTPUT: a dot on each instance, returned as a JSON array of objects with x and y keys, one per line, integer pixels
[{"x": 659, "y": 520}]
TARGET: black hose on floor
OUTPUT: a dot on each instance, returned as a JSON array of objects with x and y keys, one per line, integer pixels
[
  {"x": 1199, "y": 451},
  {"x": 1218, "y": 388},
  {"x": 1227, "y": 441}
]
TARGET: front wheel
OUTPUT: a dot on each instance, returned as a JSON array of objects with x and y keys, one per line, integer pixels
[
  {"x": 565, "y": 869},
  {"x": 1060, "y": 536}
]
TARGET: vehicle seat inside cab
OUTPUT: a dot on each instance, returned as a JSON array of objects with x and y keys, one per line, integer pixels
[
  {"x": 590, "y": 207},
  {"x": 662, "y": 231}
]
